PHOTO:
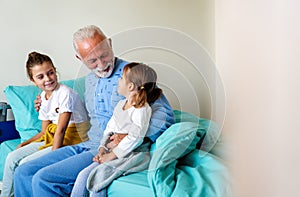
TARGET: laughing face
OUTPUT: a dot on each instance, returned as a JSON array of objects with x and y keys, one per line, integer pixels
[
  {"x": 97, "y": 54},
  {"x": 44, "y": 76}
]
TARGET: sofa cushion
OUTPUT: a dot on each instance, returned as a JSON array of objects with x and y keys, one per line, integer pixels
[
  {"x": 21, "y": 100},
  {"x": 135, "y": 184},
  {"x": 5, "y": 148}
]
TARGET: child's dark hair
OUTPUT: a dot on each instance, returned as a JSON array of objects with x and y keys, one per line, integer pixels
[
  {"x": 35, "y": 58},
  {"x": 144, "y": 77}
]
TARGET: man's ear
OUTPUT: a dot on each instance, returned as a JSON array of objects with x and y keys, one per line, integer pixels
[
  {"x": 78, "y": 57},
  {"x": 110, "y": 42}
]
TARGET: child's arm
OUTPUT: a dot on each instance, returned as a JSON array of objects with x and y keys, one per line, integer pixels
[
  {"x": 45, "y": 124},
  {"x": 115, "y": 139},
  {"x": 97, "y": 158},
  {"x": 62, "y": 125},
  {"x": 105, "y": 154},
  {"x": 136, "y": 133}
]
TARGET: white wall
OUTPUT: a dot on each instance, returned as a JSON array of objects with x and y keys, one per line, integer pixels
[
  {"x": 257, "y": 51},
  {"x": 47, "y": 26}
]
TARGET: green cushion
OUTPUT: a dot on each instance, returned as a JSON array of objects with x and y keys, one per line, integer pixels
[{"x": 21, "y": 100}]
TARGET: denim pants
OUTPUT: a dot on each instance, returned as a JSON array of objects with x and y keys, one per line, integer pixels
[
  {"x": 80, "y": 189},
  {"x": 16, "y": 158},
  {"x": 52, "y": 174}
]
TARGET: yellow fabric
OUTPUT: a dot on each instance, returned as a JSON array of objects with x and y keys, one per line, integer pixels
[{"x": 74, "y": 134}]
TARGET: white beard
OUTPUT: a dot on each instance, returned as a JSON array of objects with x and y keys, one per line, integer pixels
[{"x": 101, "y": 73}]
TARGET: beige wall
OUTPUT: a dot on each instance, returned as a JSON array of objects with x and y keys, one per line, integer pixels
[
  {"x": 257, "y": 51},
  {"x": 47, "y": 26}
]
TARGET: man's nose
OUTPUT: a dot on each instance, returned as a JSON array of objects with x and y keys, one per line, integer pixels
[{"x": 100, "y": 63}]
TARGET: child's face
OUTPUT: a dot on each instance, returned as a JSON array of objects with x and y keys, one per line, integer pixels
[
  {"x": 44, "y": 76},
  {"x": 124, "y": 86}
]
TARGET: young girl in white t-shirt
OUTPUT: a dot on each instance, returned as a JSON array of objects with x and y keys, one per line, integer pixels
[{"x": 63, "y": 115}]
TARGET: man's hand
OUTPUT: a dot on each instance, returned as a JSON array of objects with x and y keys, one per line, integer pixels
[{"x": 37, "y": 103}]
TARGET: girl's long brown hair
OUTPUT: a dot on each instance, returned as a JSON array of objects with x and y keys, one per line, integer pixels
[{"x": 144, "y": 77}]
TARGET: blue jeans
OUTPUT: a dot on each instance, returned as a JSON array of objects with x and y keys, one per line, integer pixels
[
  {"x": 79, "y": 188},
  {"x": 52, "y": 174}
]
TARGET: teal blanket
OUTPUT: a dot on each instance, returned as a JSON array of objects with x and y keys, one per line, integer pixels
[{"x": 178, "y": 168}]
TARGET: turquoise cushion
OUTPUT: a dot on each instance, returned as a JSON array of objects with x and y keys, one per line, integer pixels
[
  {"x": 135, "y": 184},
  {"x": 21, "y": 100},
  {"x": 5, "y": 148}
]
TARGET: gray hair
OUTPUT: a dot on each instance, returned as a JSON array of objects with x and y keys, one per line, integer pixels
[{"x": 84, "y": 33}]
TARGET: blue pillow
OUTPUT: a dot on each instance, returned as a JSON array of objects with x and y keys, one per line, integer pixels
[{"x": 21, "y": 100}]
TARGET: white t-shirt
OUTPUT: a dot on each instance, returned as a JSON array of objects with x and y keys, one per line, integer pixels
[
  {"x": 133, "y": 121},
  {"x": 63, "y": 99}
]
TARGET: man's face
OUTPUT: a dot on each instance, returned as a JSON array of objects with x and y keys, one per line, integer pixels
[{"x": 97, "y": 54}]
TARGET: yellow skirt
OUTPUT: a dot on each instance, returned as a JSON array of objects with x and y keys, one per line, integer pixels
[{"x": 75, "y": 133}]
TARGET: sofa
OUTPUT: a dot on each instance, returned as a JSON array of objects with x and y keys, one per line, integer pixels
[{"x": 188, "y": 159}]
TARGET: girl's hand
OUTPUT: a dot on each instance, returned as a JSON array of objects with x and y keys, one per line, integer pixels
[
  {"x": 115, "y": 140},
  {"x": 101, "y": 152},
  {"x": 21, "y": 145},
  {"x": 107, "y": 157}
]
